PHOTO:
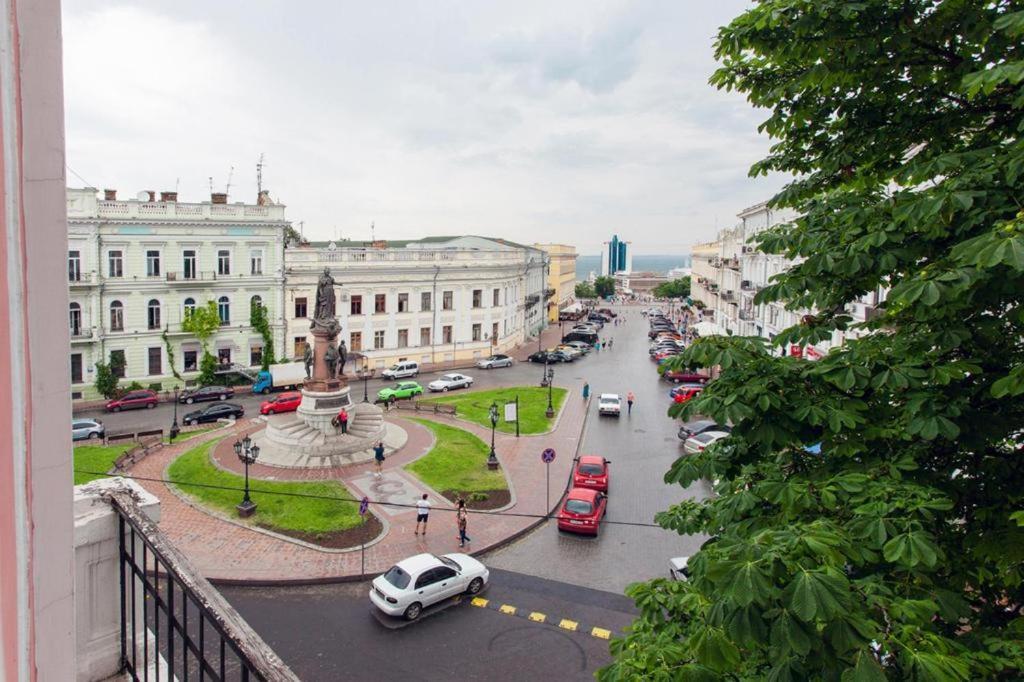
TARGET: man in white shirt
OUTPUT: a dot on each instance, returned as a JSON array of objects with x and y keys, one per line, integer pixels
[{"x": 422, "y": 511}]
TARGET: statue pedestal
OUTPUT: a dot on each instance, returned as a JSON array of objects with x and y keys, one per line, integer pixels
[{"x": 319, "y": 407}]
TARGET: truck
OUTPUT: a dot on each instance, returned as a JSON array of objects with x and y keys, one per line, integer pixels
[{"x": 288, "y": 375}]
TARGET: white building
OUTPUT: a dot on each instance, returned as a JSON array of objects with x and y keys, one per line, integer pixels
[
  {"x": 436, "y": 300},
  {"x": 135, "y": 265}
]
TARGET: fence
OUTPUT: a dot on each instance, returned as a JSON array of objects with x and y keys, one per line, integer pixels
[
  {"x": 174, "y": 624},
  {"x": 436, "y": 408}
]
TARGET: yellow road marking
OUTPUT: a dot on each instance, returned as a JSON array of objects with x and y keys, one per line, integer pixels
[
  {"x": 567, "y": 624},
  {"x": 510, "y": 610},
  {"x": 601, "y": 633},
  {"x": 538, "y": 617},
  {"x": 479, "y": 601}
]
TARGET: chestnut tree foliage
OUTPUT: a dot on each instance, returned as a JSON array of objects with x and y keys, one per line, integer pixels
[{"x": 894, "y": 553}]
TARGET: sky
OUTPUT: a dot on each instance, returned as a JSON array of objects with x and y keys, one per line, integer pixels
[{"x": 544, "y": 121}]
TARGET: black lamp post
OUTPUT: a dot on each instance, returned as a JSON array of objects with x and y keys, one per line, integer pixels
[
  {"x": 365, "y": 373},
  {"x": 174, "y": 424},
  {"x": 492, "y": 457},
  {"x": 248, "y": 453},
  {"x": 544, "y": 373},
  {"x": 551, "y": 379}
]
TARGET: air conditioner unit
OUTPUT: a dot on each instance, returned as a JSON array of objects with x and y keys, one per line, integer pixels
[{"x": 748, "y": 249}]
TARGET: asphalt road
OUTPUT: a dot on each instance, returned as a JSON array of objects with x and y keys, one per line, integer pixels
[{"x": 332, "y": 632}]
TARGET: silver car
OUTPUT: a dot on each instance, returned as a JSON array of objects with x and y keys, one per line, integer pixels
[
  {"x": 494, "y": 362},
  {"x": 87, "y": 429},
  {"x": 695, "y": 444},
  {"x": 415, "y": 583}
]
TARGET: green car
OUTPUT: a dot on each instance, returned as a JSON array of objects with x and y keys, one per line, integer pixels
[{"x": 403, "y": 389}]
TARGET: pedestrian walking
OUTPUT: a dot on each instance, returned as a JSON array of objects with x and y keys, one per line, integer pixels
[
  {"x": 461, "y": 518},
  {"x": 422, "y": 512},
  {"x": 611, "y": 342},
  {"x": 630, "y": 399},
  {"x": 378, "y": 457},
  {"x": 586, "y": 390}
]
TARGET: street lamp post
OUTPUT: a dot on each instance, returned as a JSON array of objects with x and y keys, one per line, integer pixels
[
  {"x": 174, "y": 424},
  {"x": 551, "y": 380},
  {"x": 248, "y": 453},
  {"x": 492, "y": 457},
  {"x": 544, "y": 373},
  {"x": 365, "y": 373}
]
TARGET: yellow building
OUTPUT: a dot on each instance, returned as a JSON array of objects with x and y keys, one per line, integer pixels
[{"x": 561, "y": 277}]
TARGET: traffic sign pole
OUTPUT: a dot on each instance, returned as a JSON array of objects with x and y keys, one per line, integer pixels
[{"x": 548, "y": 456}]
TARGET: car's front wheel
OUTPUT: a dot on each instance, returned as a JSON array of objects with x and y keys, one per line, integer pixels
[
  {"x": 413, "y": 611},
  {"x": 444, "y": 389},
  {"x": 223, "y": 396},
  {"x": 475, "y": 586},
  {"x": 270, "y": 412},
  {"x": 93, "y": 435},
  {"x": 150, "y": 406},
  {"x": 189, "y": 401}
]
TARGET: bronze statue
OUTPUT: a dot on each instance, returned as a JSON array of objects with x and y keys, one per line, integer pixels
[
  {"x": 324, "y": 310},
  {"x": 342, "y": 357},
  {"x": 331, "y": 360},
  {"x": 307, "y": 359}
]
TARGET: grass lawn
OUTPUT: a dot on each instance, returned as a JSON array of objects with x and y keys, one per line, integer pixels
[
  {"x": 283, "y": 512},
  {"x": 185, "y": 435},
  {"x": 96, "y": 458},
  {"x": 533, "y": 403},
  {"x": 458, "y": 462}
]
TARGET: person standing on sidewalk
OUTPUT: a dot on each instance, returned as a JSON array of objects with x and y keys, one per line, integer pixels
[
  {"x": 343, "y": 421},
  {"x": 461, "y": 519},
  {"x": 378, "y": 457},
  {"x": 586, "y": 390},
  {"x": 630, "y": 398},
  {"x": 422, "y": 512}
]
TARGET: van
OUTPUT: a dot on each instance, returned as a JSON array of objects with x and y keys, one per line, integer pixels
[{"x": 401, "y": 370}]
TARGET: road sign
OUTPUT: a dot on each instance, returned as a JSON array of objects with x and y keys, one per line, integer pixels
[
  {"x": 548, "y": 456},
  {"x": 363, "y": 506}
]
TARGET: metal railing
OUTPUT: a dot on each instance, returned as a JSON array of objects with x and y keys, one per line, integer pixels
[{"x": 174, "y": 624}]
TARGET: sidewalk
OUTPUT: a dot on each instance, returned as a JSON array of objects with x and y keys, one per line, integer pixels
[{"x": 229, "y": 552}]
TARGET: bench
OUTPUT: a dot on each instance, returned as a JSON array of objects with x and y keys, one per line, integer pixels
[{"x": 436, "y": 408}]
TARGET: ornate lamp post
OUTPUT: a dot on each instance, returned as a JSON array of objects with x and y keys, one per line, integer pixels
[
  {"x": 174, "y": 424},
  {"x": 544, "y": 373},
  {"x": 365, "y": 373},
  {"x": 551, "y": 379},
  {"x": 248, "y": 453},
  {"x": 492, "y": 457}
]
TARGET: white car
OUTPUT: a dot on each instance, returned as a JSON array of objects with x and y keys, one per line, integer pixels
[
  {"x": 450, "y": 381},
  {"x": 415, "y": 583},
  {"x": 695, "y": 444},
  {"x": 402, "y": 370},
  {"x": 609, "y": 403},
  {"x": 571, "y": 351},
  {"x": 677, "y": 569},
  {"x": 580, "y": 346},
  {"x": 494, "y": 361}
]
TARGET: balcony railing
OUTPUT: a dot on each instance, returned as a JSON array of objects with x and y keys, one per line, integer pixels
[
  {"x": 746, "y": 314},
  {"x": 731, "y": 263},
  {"x": 532, "y": 299},
  {"x": 548, "y": 293},
  {"x": 729, "y": 295},
  {"x": 747, "y": 285},
  {"x": 82, "y": 279},
  {"x": 171, "y": 210},
  {"x": 195, "y": 276}
]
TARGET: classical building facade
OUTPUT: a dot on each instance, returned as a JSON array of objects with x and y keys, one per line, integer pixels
[
  {"x": 437, "y": 300},
  {"x": 561, "y": 286},
  {"x": 134, "y": 267}
]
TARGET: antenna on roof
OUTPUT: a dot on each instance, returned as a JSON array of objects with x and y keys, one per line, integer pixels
[
  {"x": 371, "y": 233},
  {"x": 177, "y": 181},
  {"x": 227, "y": 188},
  {"x": 259, "y": 175},
  {"x": 302, "y": 234}
]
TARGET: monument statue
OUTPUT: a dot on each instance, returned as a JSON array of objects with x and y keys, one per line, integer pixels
[
  {"x": 342, "y": 357},
  {"x": 324, "y": 309},
  {"x": 331, "y": 360},
  {"x": 307, "y": 359}
]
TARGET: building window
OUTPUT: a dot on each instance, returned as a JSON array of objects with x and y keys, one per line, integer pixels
[
  {"x": 254, "y": 302},
  {"x": 223, "y": 262},
  {"x": 300, "y": 307},
  {"x": 224, "y": 310},
  {"x": 378, "y": 339},
  {"x": 403, "y": 303},
  {"x": 153, "y": 314},
  {"x": 356, "y": 305},
  {"x": 446, "y": 300},
  {"x": 356, "y": 341},
  {"x": 380, "y": 303},
  {"x": 446, "y": 334},
  {"x": 116, "y": 316},
  {"x": 403, "y": 338},
  {"x": 75, "y": 319},
  {"x": 256, "y": 262},
  {"x": 152, "y": 263},
  {"x": 74, "y": 266},
  {"x": 76, "y": 368},
  {"x": 494, "y": 334},
  {"x": 424, "y": 336},
  {"x": 425, "y": 301},
  {"x": 496, "y": 298},
  {"x": 478, "y": 298},
  {"x": 298, "y": 346},
  {"x": 155, "y": 362},
  {"x": 117, "y": 363},
  {"x": 191, "y": 360},
  {"x": 255, "y": 356},
  {"x": 189, "y": 307},
  {"x": 224, "y": 356},
  {"x": 476, "y": 332},
  {"x": 188, "y": 263},
  {"x": 115, "y": 264}
]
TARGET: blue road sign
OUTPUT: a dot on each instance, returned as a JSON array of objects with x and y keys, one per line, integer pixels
[{"x": 548, "y": 456}]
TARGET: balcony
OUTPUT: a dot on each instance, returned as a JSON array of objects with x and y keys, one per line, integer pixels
[
  {"x": 548, "y": 293},
  {"x": 81, "y": 334},
  {"x": 746, "y": 314},
  {"x": 532, "y": 299},
  {"x": 713, "y": 287},
  {"x": 746, "y": 285},
  {"x": 83, "y": 279},
  {"x": 728, "y": 295},
  {"x": 731, "y": 263},
  {"x": 204, "y": 276}
]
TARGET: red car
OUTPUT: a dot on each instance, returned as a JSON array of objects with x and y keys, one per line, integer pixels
[
  {"x": 284, "y": 402},
  {"x": 677, "y": 376},
  {"x": 133, "y": 400},
  {"x": 582, "y": 511},
  {"x": 591, "y": 472},
  {"x": 681, "y": 394}
]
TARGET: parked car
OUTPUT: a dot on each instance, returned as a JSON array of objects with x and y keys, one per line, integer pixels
[
  {"x": 494, "y": 362},
  {"x": 569, "y": 351},
  {"x": 583, "y": 511},
  {"x": 696, "y": 426},
  {"x": 86, "y": 429},
  {"x": 607, "y": 311},
  {"x": 450, "y": 381},
  {"x": 695, "y": 444},
  {"x": 198, "y": 395},
  {"x": 283, "y": 402},
  {"x": 544, "y": 357},
  {"x": 677, "y": 569},
  {"x": 581, "y": 346},
  {"x": 679, "y": 376},
  {"x": 609, "y": 403},
  {"x": 684, "y": 392},
  {"x": 402, "y": 370},
  {"x": 591, "y": 471},
  {"x": 403, "y": 390},
  {"x": 582, "y": 336},
  {"x": 415, "y": 583},
  {"x": 212, "y": 413},
  {"x": 133, "y": 400},
  {"x": 562, "y": 355}
]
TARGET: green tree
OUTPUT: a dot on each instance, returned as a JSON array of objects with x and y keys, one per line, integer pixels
[
  {"x": 106, "y": 380},
  {"x": 261, "y": 322},
  {"x": 203, "y": 322},
  {"x": 207, "y": 370},
  {"x": 676, "y": 288},
  {"x": 585, "y": 290},
  {"x": 894, "y": 549},
  {"x": 604, "y": 286}
]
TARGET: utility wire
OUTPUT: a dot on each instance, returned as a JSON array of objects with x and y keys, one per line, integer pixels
[
  {"x": 87, "y": 183},
  {"x": 332, "y": 498}
]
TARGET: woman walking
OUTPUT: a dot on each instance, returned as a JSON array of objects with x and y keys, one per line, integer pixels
[{"x": 461, "y": 518}]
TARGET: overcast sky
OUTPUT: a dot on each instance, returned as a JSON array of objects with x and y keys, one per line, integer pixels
[{"x": 535, "y": 121}]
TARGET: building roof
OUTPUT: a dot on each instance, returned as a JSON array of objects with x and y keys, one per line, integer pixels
[{"x": 404, "y": 243}]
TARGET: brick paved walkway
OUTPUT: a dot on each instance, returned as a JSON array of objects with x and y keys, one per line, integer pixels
[{"x": 226, "y": 551}]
